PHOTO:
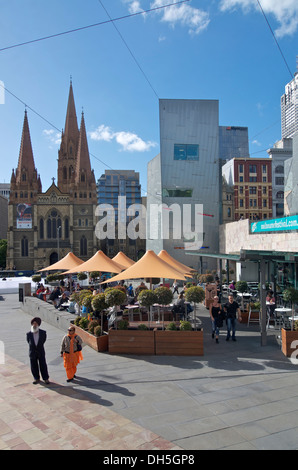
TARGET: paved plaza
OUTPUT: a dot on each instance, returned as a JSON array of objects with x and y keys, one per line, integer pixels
[{"x": 239, "y": 395}]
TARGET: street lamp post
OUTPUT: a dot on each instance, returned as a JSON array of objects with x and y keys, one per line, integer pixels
[{"x": 58, "y": 239}]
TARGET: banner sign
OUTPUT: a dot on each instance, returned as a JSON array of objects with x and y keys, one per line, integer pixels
[
  {"x": 275, "y": 225},
  {"x": 24, "y": 216}
]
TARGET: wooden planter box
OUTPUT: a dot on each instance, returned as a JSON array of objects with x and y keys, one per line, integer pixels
[
  {"x": 179, "y": 343},
  {"x": 288, "y": 338},
  {"x": 99, "y": 343},
  {"x": 136, "y": 342}
]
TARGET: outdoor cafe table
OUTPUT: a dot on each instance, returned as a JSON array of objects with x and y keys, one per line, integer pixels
[
  {"x": 131, "y": 311},
  {"x": 284, "y": 312}
]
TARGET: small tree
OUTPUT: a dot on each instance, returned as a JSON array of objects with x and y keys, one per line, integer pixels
[
  {"x": 147, "y": 298},
  {"x": 242, "y": 286},
  {"x": 196, "y": 295},
  {"x": 82, "y": 276},
  {"x": 94, "y": 274},
  {"x": 36, "y": 278},
  {"x": 164, "y": 295},
  {"x": 114, "y": 297},
  {"x": 86, "y": 302},
  {"x": 98, "y": 303}
]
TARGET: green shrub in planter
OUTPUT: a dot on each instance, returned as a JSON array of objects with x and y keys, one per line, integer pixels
[
  {"x": 81, "y": 276},
  {"x": 77, "y": 321},
  {"x": 185, "y": 325},
  {"x": 82, "y": 295},
  {"x": 92, "y": 325},
  {"x": 147, "y": 298},
  {"x": 122, "y": 325},
  {"x": 195, "y": 294},
  {"x": 75, "y": 297},
  {"x": 143, "y": 327},
  {"x": 171, "y": 327},
  {"x": 97, "y": 331},
  {"x": 164, "y": 295},
  {"x": 98, "y": 303},
  {"x": 86, "y": 302},
  {"x": 84, "y": 322},
  {"x": 114, "y": 297}
]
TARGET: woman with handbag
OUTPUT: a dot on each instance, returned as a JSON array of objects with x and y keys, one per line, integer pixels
[{"x": 71, "y": 351}]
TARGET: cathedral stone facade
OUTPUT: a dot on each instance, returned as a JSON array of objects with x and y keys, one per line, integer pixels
[{"x": 44, "y": 226}]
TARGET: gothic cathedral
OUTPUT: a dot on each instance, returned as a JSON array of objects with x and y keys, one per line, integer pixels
[{"x": 44, "y": 227}]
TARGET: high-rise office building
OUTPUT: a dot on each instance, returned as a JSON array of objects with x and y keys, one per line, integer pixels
[
  {"x": 185, "y": 174},
  {"x": 233, "y": 142},
  {"x": 110, "y": 186},
  {"x": 289, "y": 108}
]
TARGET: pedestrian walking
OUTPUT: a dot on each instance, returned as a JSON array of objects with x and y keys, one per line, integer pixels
[
  {"x": 217, "y": 315},
  {"x": 231, "y": 309},
  {"x": 36, "y": 339},
  {"x": 71, "y": 351},
  {"x": 175, "y": 287}
]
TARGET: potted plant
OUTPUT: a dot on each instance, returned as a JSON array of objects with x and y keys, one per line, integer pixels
[
  {"x": 179, "y": 341},
  {"x": 126, "y": 340},
  {"x": 289, "y": 336},
  {"x": 147, "y": 298},
  {"x": 164, "y": 296},
  {"x": 36, "y": 278},
  {"x": 196, "y": 295},
  {"x": 242, "y": 286},
  {"x": 91, "y": 333}
]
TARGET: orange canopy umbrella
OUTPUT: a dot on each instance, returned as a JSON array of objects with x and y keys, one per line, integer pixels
[
  {"x": 164, "y": 255},
  {"x": 69, "y": 261},
  {"x": 99, "y": 262},
  {"x": 122, "y": 259},
  {"x": 149, "y": 266}
]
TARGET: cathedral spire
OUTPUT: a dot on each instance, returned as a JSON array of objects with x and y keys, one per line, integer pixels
[
  {"x": 84, "y": 181},
  {"x": 83, "y": 160},
  {"x": 69, "y": 146},
  {"x": 71, "y": 130},
  {"x": 26, "y": 168}
]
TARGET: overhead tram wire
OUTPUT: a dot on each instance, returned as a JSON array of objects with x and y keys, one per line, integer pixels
[
  {"x": 91, "y": 25},
  {"x": 129, "y": 50},
  {"x": 272, "y": 32}
]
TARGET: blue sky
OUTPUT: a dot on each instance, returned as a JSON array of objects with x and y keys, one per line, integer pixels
[{"x": 200, "y": 49}]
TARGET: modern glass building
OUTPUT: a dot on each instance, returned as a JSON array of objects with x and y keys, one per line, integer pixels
[
  {"x": 289, "y": 108},
  {"x": 111, "y": 185},
  {"x": 185, "y": 175},
  {"x": 233, "y": 142}
]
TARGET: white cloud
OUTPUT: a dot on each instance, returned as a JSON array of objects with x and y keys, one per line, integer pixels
[
  {"x": 284, "y": 11},
  {"x": 134, "y": 7},
  {"x": 128, "y": 141},
  {"x": 256, "y": 142},
  {"x": 196, "y": 20},
  {"x": 52, "y": 136}
]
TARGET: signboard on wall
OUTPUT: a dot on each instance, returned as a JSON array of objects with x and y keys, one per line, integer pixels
[
  {"x": 275, "y": 225},
  {"x": 24, "y": 216}
]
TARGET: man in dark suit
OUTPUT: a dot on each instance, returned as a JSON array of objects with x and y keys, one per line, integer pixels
[{"x": 36, "y": 339}]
